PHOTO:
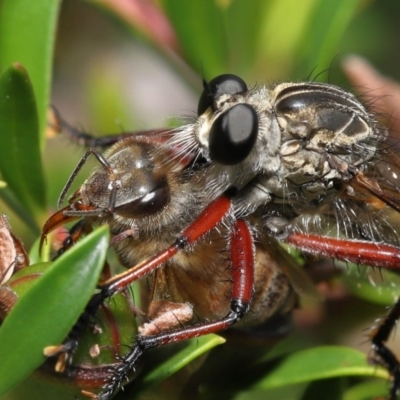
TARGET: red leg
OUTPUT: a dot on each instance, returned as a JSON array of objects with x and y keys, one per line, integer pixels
[
  {"x": 372, "y": 254},
  {"x": 205, "y": 222},
  {"x": 355, "y": 251},
  {"x": 242, "y": 256}
]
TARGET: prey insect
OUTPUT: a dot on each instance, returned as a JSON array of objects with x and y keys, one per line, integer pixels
[{"x": 200, "y": 210}]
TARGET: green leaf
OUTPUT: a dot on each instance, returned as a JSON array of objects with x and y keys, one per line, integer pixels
[
  {"x": 282, "y": 29},
  {"x": 325, "y": 29},
  {"x": 27, "y": 36},
  {"x": 367, "y": 391},
  {"x": 9, "y": 198},
  {"x": 321, "y": 363},
  {"x": 193, "y": 349},
  {"x": 200, "y": 28},
  {"x": 293, "y": 392},
  {"x": 47, "y": 311},
  {"x": 242, "y": 26},
  {"x": 332, "y": 388},
  {"x": 161, "y": 367},
  {"x": 36, "y": 256},
  {"x": 20, "y": 161}
]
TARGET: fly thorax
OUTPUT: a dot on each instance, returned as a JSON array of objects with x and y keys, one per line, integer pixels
[{"x": 326, "y": 135}]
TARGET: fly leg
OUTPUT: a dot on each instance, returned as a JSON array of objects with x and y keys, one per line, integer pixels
[
  {"x": 356, "y": 251},
  {"x": 373, "y": 254},
  {"x": 85, "y": 139},
  {"x": 205, "y": 222},
  {"x": 379, "y": 337},
  {"x": 242, "y": 268}
]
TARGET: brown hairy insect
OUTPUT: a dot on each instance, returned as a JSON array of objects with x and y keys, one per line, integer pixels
[{"x": 200, "y": 210}]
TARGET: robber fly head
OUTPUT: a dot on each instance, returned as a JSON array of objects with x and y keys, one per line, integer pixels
[{"x": 309, "y": 135}]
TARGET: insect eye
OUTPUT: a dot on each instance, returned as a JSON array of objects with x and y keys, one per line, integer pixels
[
  {"x": 222, "y": 84},
  {"x": 233, "y": 135},
  {"x": 149, "y": 204}
]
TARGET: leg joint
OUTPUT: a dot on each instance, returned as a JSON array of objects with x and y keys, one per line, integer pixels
[{"x": 239, "y": 308}]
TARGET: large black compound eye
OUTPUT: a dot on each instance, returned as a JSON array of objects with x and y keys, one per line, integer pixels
[
  {"x": 233, "y": 135},
  {"x": 149, "y": 204},
  {"x": 222, "y": 84}
]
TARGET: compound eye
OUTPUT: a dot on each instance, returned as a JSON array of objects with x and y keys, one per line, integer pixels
[
  {"x": 222, "y": 84},
  {"x": 149, "y": 204},
  {"x": 233, "y": 135}
]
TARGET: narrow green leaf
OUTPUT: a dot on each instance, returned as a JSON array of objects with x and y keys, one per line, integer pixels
[
  {"x": 20, "y": 161},
  {"x": 242, "y": 26},
  {"x": 321, "y": 363},
  {"x": 27, "y": 36},
  {"x": 200, "y": 28},
  {"x": 36, "y": 256},
  {"x": 327, "y": 25},
  {"x": 282, "y": 29},
  {"x": 161, "y": 368},
  {"x": 9, "y": 198},
  {"x": 45, "y": 314},
  {"x": 193, "y": 349},
  {"x": 367, "y": 390}
]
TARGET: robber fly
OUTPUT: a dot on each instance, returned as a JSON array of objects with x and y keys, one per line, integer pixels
[{"x": 200, "y": 210}]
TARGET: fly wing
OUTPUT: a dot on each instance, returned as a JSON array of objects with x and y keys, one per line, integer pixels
[
  {"x": 377, "y": 194},
  {"x": 381, "y": 194}
]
